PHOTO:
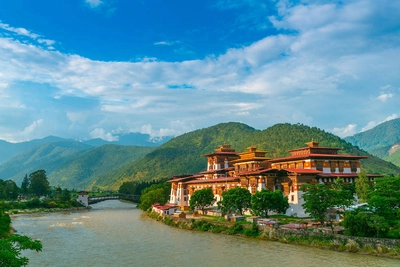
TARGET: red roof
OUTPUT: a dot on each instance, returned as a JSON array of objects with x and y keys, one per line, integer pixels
[
  {"x": 303, "y": 171},
  {"x": 216, "y": 180},
  {"x": 354, "y": 175},
  {"x": 221, "y": 153},
  {"x": 339, "y": 156},
  {"x": 163, "y": 207},
  {"x": 219, "y": 170},
  {"x": 315, "y": 147}
]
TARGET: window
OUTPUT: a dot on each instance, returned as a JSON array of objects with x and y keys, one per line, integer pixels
[
  {"x": 292, "y": 198},
  {"x": 353, "y": 166},
  {"x": 319, "y": 166},
  {"x": 300, "y": 165},
  {"x": 333, "y": 166}
]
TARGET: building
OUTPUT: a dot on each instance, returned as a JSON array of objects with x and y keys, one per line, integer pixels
[
  {"x": 164, "y": 209},
  {"x": 251, "y": 169}
]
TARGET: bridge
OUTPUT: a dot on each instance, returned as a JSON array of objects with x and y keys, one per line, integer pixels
[
  {"x": 96, "y": 199},
  {"x": 86, "y": 200}
]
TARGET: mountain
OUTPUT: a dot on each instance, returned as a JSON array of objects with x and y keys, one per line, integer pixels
[
  {"x": 131, "y": 139},
  {"x": 45, "y": 156},
  {"x": 182, "y": 154},
  {"x": 70, "y": 164},
  {"x": 84, "y": 169},
  {"x": 394, "y": 157},
  {"x": 384, "y": 135},
  {"x": 10, "y": 150}
]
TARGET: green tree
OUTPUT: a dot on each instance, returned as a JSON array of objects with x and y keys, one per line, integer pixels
[
  {"x": 265, "y": 200},
  {"x": 156, "y": 193},
  {"x": 38, "y": 183},
  {"x": 365, "y": 224},
  {"x": 65, "y": 195},
  {"x": 318, "y": 200},
  {"x": 8, "y": 190},
  {"x": 343, "y": 196},
  {"x": 362, "y": 186},
  {"x": 235, "y": 199},
  {"x": 385, "y": 198},
  {"x": 25, "y": 185},
  {"x": 11, "y": 246},
  {"x": 201, "y": 199}
]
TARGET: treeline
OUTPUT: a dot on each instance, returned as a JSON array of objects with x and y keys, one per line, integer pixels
[
  {"x": 35, "y": 192},
  {"x": 378, "y": 216},
  {"x": 136, "y": 188}
]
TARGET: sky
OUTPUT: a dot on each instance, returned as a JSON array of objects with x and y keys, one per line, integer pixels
[{"x": 86, "y": 69}]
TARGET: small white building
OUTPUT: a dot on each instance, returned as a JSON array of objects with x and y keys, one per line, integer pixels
[
  {"x": 83, "y": 198},
  {"x": 164, "y": 209}
]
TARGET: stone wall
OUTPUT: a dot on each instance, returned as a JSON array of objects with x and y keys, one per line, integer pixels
[{"x": 361, "y": 240}]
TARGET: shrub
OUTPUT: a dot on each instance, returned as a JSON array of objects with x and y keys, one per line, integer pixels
[
  {"x": 237, "y": 228},
  {"x": 352, "y": 246},
  {"x": 253, "y": 231}
]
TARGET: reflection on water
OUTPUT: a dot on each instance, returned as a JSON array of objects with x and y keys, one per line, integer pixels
[{"x": 114, "y": 233}]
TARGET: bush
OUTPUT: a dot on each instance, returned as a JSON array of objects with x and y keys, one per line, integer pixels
[
  {"x": 253, "y": 231},
  {"x": 203, "y": 225},
  {"x": 352, "y": 246},
  {"x": 33, "y": 203},
  {"x": 237, "y": 228}
]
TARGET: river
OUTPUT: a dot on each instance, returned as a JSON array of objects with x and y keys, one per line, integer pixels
[{"x": 115, "y": 233}]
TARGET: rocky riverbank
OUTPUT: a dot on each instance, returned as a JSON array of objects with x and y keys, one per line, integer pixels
[{"x": 367, "y": 246}]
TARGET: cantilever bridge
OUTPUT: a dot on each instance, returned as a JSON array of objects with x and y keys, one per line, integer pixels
[{"x": 96, "y": 199}]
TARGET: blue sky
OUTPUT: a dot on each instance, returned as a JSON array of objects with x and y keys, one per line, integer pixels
[{"x": 98, "y": 68}]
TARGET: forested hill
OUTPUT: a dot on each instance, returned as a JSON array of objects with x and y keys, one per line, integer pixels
[
  {"x": 183, "y": 154},
  {"x": 83, "y": 170},
  {"x": 71, "y": 164},
  {"x": 383, "y": 135}
]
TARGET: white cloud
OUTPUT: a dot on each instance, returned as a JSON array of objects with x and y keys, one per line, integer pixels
[
  {"x": 100, "y": 133},
  {"x": 384, "y": 97},
  {"x": 94, "y": 3},
  {"x": 345, "y": 131},
  {"x": 326, "y": 66},
  {"x": 372, "y": 124}
]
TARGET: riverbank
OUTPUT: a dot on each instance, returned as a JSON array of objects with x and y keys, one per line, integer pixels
[
  {"x": 36, "y": 210},
  {"x": 366, "y": 246}
]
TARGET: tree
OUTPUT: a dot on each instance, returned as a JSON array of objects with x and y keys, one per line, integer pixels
[
  {"x": 362, "y": 186},
  {"x": 65, "y": 195},
  {"x": 365, "y": 224},
  {"x": 25, "y": 185},
  {"x": 156, "y": 193},
  {"x": 265, "y": 200},
  {"x": 11, "y": 246},
  {"x": 385, "y": 197},
  {"x": 10, "y": 190},
  {"x": 38, "y": 183},
  {"x": 343, "y": 196},
  {"x": 318, "y": 200},
  {"x": 201, "y": 199},
  {"x": 235, "y": 199}
]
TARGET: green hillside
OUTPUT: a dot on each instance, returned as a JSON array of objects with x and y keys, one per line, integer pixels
[
  {"x": 394, "y": 158},
  {"x": 83, "y": 170},
  {"x": 383, "y": 135},
  {"x": 182, "y": 155},
  {"x": 45, "y": 156}
]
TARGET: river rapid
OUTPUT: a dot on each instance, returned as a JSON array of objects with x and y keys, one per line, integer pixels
[{"x": 115, "y": 233}]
